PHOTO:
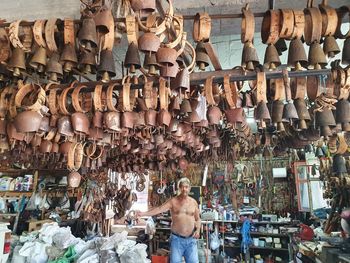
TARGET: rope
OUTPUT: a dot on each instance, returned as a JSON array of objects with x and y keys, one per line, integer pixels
[{"x": 246, "y": 238}]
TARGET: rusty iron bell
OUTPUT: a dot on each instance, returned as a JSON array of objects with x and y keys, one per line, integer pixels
[
  {"x": 271, "y": 60},
  {"x": 148, "y": 43},
  {"x": 277, "y": 114},
  {"x": 87, "y": 34},
  {"x": 289, "y": 112},
  {"x": 325, "y": 118},
  {"x": 317, "y": 58},
  {"x": 87, "y": 63},
  {"x": 38, "y": 61},
  {"x": 281, "y": 46},
  {"x": 262, "y": 114},
  {"x": 27, "y": 121},
  {"x": 338, "y": 166},
  {"x": 132, "y": 58},
  {"x": 296, "y": 55},
  {"x": 54, "y": 68},
  {"x": 202, "y": 57},
  {"x": 169, "y": 71},
  {"x": 185, "y": 107},
  {"x": 17, "y": 62},
  {"x": 214, "y": 115},
  {"x": 342, "y": 111},
  {"x": 330, "y": 46},
  {"x": 303, "y": 113},
  {"x": 103, "y": 19},
  {"x": 143, "y": 5},
  {"x": 250, "y": 59},
  {"x": 346, "y": 52},
  {"x": 68, "y": 58},
  {"x": 150, "y": 63},
  {"x": 166, "y": 56},
  {"x": 182, "y": 80},
  {"x": 106, "y": 68}
]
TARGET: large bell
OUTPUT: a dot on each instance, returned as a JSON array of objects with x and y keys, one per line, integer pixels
[
  {"x": 271, "y": 60},
  {"x": 296, "y": 55},
  {"x": 68, "y": 58},
  {"x": 250, "y": 59},
  {"x": 169, "y": 71},
  {"x": 166, "y": 56},
  {"x": 143, "y": 5},
  {"x": 317, "y": 58},
  {"x": 88, "y": 35},
  {"x": 103, "y": 20},
  {"x": 339, "y": 166},
  {"x": 106, "y": 68},
  {"x": 54, "y": 68},
  {"x": 202, "y": 57},
  {"x": 281, "y": 46},
  {"x": 17, "y": 62},
  {"x": 289, "y": 112},
  {"x": 38, "y": 61},
  {"x": 303, "y": 113},
  {"x": 132, "y": 58},
  {"x": 330, "y": 47},
  {"x": 342, "y": 111},
  {"x": 150, "y": 63},
  {"x": 149, "y": 43},
  {"x": 324, "y": 120},
  {"x": 346, "y": 52},
  {"x": 87, "y": 63}
]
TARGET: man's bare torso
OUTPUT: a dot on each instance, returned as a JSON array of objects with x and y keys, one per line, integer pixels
[{"x": 183, "y": 215}]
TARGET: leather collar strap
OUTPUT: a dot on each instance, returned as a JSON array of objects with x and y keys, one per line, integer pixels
[
  {"x": 286, "y": 23},
  {"x": 337, "y": 144},
  {"x": 108, "y": 42},
  {"x": 14, "y": 30},
  {"x": 280, "y": 93},
  {"x": 131, "y": 29},
  {"x": 342, "y": 12},
  {"x": 299, "y": 24},
  {"x": 313, "y": 23},
  {"x": 180, "y": 35},
  {"x": 75, "y": 156},
  {"x": 38, "y": 30},
  {"x": 63, "y": 99},
  {"x": 270, "y": 27},
  {"x": 329, "y": 19},
  {"x": 261, "y": 87},
  {"x": 298, "y": 85},
  {"x": 12, "y": 104},
  {"x": 51, "y": 134},
  {"x": 201, "y": 27},
  {"x": 230, "y": 92},
  {"x": 76, "y": 99},
  {"x": 209, "y": 91},
  {"x": 69, "y": 35},
  {"x": 168, "y": 17},
  {"x": 97, "y": 99},
  {"x": 50, "y": 34},
  {"x": 286, "y": 82},
  {"x": 247, "y": 25},
  {"x": 26, "y": 89},
  {"x": 312, "y": 87},
  {"x": 125, "y": 97},
  {"x": 110, "y": 98},
  {"x": 147, "y": 94},
  {"x": 163, "y": 94},
  {"x": 52, "y": 102}
]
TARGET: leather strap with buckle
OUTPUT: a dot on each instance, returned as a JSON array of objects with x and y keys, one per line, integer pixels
[
  {"x": 38, "y": 30},
  {"x": 280, "y": 93},
  {"x": 50, "y": 29},
  {"x": 163, "y": 94},
  {"x": 261, "y": 87},
  {"x": 108, "y": 39},
  {"x": 247, "y": 25},
  {"x": 27, "y": 89},
  {"x": 131, "y": 29},
  {"x": 62, "y": 100},
  {"x": 286, "y": 23},
  {"x": 313, "y": 23},
  {"x": 299, "y": 24},
  {"x": 125, "y": 95},
  {"x": 78, "y": 101},
  {"x": 69, "y": 34},
  {"x": 26, "y": 36},
  {"x": 329, "y": 19},
  {"x": 98, "y": 98},
  {"x": 201, "y": 27},
  {"x": 298, "y": 88},
  {"x": 230, "y": 92},
  {"x": 111, "y": 98},
  {"x": 270, "y": 27},
  {"x": 209, "y": 91},
  {"x": 75, "y": 156}
]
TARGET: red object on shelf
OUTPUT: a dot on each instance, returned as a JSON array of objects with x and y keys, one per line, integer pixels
[
  {"x": 159, "y": 259},
  {"x": 306, "y": 232}
]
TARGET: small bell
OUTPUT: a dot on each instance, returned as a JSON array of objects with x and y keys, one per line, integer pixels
[
  {"x": 250, "y": 59},
  {"x": 106, "y": 68},
  {"x": 346, "y": 52},
  {"x": 330, "y": 47},
  {"x": 303, "y": 113},
  {"x": 38, "y": 61},
  {"x": 87, "y": 62},
  {"x": 317, "y": 58},
  {"x": 182, "y": 80},
  {"x": 88, "y": 35},
  {"x": 271, "y": 60},
  {"x": 202, "y": 58},
  {"x": 68, "y": 58},
  {"x": 17, "y": 62},
  {"x": 169, "y": 71},
  {"x": 277, "y": 114},
  {"x": 54, "y": 68},
  {"x": 296, "y": 55},
  {"x": 150, "y": 63},
  {"x": 132, "y": 58}
]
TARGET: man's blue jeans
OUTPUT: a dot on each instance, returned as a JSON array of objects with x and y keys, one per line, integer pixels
[{"x": 183, "y": 247}]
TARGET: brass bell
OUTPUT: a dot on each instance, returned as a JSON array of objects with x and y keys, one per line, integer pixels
[
  {"x": 150, "y": 63},
  {"x": 330, "y": 46},
  {"x": 106, "y": 68},
  {"x": 17, "y": 62},
  {"x": 182, "y": 80},
  {"x": 68, "y": 58},
  {"x": 202, "y": 57},
  {"x": 296, "y": 55},
  {"x": 281, "y": 46},
  {"x": 166, "y": 56},
  {"x": 87, "y": 62},
  {"x": 250, "y": 59},
  {"x": 289, "y": 112},
  {"x": 346, "y": 52},
  {"x": 271, "y": 60},
  {"x": 132, "y": 58},
  {"x": 87, "y": 34},
  {"x": 54, "y": 68},
  {"x": 303, "y": 113},
  {"x": 38, "y": 61},
  {"x": 317, "y": 58},
  {"x": 148, "y": 43}
]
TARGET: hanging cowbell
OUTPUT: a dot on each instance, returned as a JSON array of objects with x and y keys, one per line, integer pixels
[
  {"x": 132, "y": 58},
  {"x": 296, "y": 55},
  {"x": 342, "y": 113},
  {"x": 339, "y": 166},
  {"x": 169, "y": 71},
  {"x": 103, "y": 20},
  {"x": 17, "y": 62},
  {"x": 330, "y": 46},
  {"x": 150, "y": 63},
  {"x": 290, "y": 113},
  {"x": 250, "y": 59},
  {"x": 303, "y": 113},
  {"x": 54, "y": 68},
  {"x": 271, "y": 60},
  {"x": 202, "y": 58},
  {"x": 87, "y": 34},
  {"x": 325, "y": 120},
  {"x": 277, "y": 115},
  {"x": 262, "y": 114},
  {"x": 87, "y": 63},
  {"x": 106, "y": 68},
  {"x": 317, "y": 58},
  {"x": 143, "y": 5},
  {"x": 166, "y": 56},
  {"x": 148, "y": 43},
  {"x": 182, "y": 80},
  {"x": 38, "y": 61},
  {"x": 68, "y": 58},
  {"x": 346, "y": 52}
]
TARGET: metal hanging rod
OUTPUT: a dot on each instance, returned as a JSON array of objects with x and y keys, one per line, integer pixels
[{"x": 198, "y": 78}]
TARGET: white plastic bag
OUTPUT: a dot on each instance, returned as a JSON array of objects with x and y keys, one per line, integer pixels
[
  {"x": 114, "y": 240},
  {"x": 64, "y": 238},
  {"x": 150, "y": 227},
  {"x": 214, "y": 241}
]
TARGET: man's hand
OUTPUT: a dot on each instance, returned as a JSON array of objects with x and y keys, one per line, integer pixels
[
  {"x": 196, "y": 234},
  {"x": 138, "y": 213}
]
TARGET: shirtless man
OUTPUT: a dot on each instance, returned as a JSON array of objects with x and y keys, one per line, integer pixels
[{"x": 185, "y": 226}]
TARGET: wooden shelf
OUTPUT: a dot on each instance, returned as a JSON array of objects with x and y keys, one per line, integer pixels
[
  {"x": 15, "y": 193},
  {"x": 254, "y": 223},
  {"x": 262, "y": 248},
  {"x": 263, "y": 234}
]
